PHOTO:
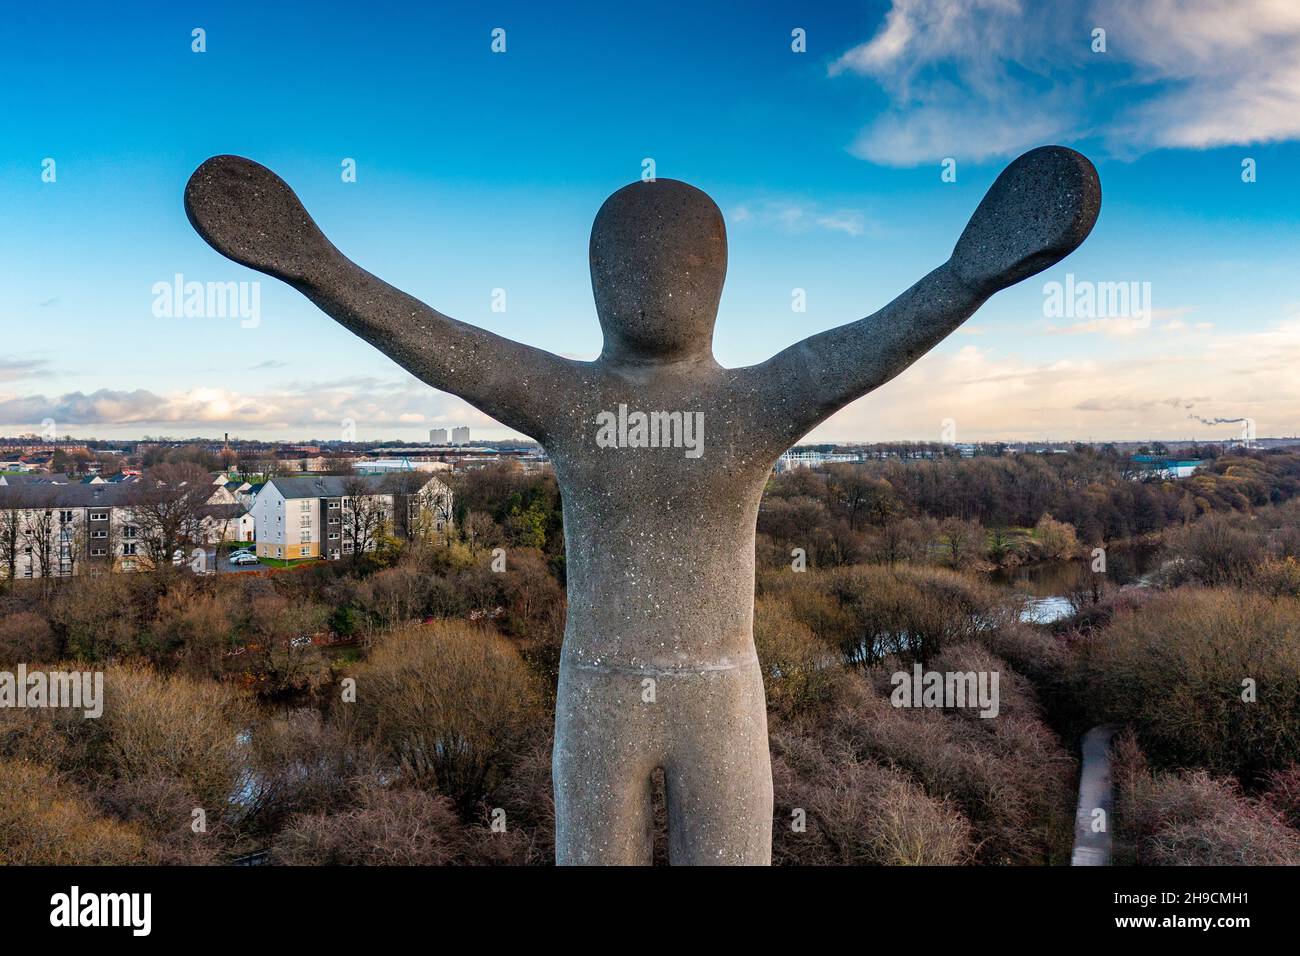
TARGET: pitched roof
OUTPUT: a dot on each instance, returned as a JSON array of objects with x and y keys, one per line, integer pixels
[
  {"x": 50, "y": 495},
  {"x": 326, "y": 486},
  {"x": 339, "y": 486}
]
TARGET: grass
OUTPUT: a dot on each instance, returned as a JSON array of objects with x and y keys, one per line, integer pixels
[{"x": 284, "y": 563}]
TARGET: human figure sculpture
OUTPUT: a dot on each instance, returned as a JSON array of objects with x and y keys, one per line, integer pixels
[{"x": 661, "y": 455}]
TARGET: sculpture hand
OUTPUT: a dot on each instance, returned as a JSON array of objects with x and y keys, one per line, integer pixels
[
  {"x": 250, "y": 215},
  {"x": 1036, "y": 213}
]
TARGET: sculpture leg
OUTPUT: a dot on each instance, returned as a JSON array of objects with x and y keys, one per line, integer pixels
[
  {"x": 605, "y": 752},
  {"x": 719, "y": 770}
]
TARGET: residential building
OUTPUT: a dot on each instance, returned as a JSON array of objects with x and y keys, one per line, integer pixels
[
  {"x": 57, "y": 528},
  {"x": 331, "y": 516},
  {"x": 460, "y": 436},
  {"x": 437, "y": 436}
]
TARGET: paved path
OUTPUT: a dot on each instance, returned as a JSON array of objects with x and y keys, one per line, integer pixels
[{"x": 1092, "y": 831}]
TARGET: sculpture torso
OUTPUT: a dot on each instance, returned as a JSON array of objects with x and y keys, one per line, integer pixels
[{"x": 660, "y": 539}]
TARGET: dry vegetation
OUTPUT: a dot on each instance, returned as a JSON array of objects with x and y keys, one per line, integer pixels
[{"x": 228, "y": 694}]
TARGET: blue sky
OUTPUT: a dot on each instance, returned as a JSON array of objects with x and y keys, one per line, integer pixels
[{"x": 479, "y": 171}]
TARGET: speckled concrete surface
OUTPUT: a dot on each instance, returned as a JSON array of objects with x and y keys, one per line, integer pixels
[{"x": 658, "y": 667}]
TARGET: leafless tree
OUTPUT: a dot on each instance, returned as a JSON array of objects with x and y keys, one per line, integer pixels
[
  {"x": 365, "y": 516},
  {"x": 39, "y": 532},
  {"x": 167, "y": 505},
  {"x": 14, "y": 504}
]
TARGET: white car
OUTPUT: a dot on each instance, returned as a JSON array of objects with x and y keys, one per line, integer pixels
[{"x": 245, "y": 558}]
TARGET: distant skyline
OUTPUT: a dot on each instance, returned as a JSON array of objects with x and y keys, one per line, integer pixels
[{"x": 479, "y": 171}]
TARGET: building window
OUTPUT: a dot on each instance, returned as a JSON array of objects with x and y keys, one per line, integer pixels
[
  {"x": 65, "y": 516},
  {"x": 334, "y": 504},
  {"x": 97, "y": 552},
  {"x": 130, "y": 531},
  {"x": 305, "y": 537},
  {"x": 99, "y": 534},
  {"x": 334, "y": 535},
  {"x": 99, "y": 516},
  {"x": 129, "y": 548}
]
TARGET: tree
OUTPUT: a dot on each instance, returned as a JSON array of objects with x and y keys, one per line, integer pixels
[
  {"x": 39, "y": 531},
  {"x": 422, "y": 505},
  {"x": 167, "y": 505},
  {"x": 961, "y": 539},
  {"x": 365, "y": 517},
  {"x": 14, "y": 504}
]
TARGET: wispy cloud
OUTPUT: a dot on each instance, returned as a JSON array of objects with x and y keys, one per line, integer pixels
[
  {"x": 989, "y": 78},
  {"x": 1163, "y": 390},
  {"x": 15, "y": 369},
  {"x": 799, "y": 216}
]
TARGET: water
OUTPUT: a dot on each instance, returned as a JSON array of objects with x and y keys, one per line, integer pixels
[{"x": 1048, "y": 585}]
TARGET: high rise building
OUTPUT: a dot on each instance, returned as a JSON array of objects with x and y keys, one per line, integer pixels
[
  {"x": 460, "y": 436},
  {"x": 437, "y": 436}
]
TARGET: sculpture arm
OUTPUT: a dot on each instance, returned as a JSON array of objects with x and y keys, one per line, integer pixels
[
  {"x": 250, "y": 215},
  {"x": 1036, "y": 213}
]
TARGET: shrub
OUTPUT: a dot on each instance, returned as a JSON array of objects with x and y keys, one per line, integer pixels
[
  {"x": 857, "y": 812},
  {"x": 44, "y": 821},
  {"x": 1174, "y": 669},
  {"x": 301, "y": 764},
  {"x": 1190, "y": 818},
  {"x": 449, "y": 701},
  {"x": 26, "y": 638},
  {"x": 161, "y": 808},
  {"x": 799, "y": 671},
  {"x": 170, "y": 726},
  {"x": 1216, "y": 551},
  {"x": 393, "y": 828},
  {"x": 1009, "y": 775},
  {"x": 198, "y": 625}
]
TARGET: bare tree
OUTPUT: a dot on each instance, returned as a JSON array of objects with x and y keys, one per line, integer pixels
[
  {"x": 365, "y": 516},
  {"x": 167, "y": 505},
  {"x": 72, "y": 543},
  {"x": 14, "y": 504},
  {"x": 422, "y": 505},
  {"x": 39, "y": 532}
]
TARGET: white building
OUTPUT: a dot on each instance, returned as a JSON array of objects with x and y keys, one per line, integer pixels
[
  {"x": 460, "y": 435},
  {"x": 437, "y": 436},
  {"x": 324, "y": 517},
  {"x": 811, "y": 458}
]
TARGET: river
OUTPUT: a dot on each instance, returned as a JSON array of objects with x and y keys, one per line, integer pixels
[{"x": 1048, "y": 585}]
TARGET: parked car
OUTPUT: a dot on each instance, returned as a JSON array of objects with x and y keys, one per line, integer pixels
[{"x": 244, "y": 558}]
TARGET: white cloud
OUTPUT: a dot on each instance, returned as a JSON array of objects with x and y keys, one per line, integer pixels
[
  {"x": 984, "y": 78},
  {"x": 376, "y": 406},
  {"x": 1142, "y": 393}
]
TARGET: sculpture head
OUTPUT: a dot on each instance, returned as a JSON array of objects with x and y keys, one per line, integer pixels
[{"x": 658, "y": 261}]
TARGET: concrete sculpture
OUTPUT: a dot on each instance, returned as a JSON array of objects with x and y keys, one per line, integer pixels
[{"x": 661, "y": 456}]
